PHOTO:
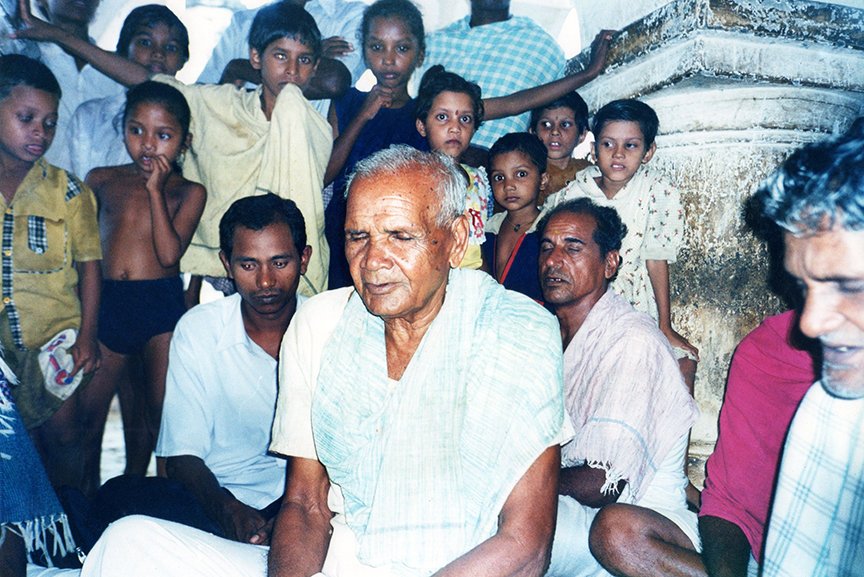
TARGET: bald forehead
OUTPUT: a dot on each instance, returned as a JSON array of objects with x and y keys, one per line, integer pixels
[{"x": 417, "y": 182}]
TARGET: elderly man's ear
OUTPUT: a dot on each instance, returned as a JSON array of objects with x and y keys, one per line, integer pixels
[{"x": 459, "y": 240}]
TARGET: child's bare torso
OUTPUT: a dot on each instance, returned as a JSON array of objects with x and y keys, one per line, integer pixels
[{"x": 125, "y": 222}]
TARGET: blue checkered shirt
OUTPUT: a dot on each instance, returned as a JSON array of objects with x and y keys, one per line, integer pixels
[
  {"x": 503, "y": 57},
  {"x": 817, "y": 521}
]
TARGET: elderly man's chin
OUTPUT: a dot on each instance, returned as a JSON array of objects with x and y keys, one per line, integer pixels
[
  {"x": 845, "y": 382},
  {"x": 383, "y": 300}
]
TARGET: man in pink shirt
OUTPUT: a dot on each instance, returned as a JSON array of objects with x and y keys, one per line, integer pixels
[{"x": 771, "y": 371}]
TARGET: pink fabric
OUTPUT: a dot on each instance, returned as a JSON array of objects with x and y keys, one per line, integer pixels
[{"x": 767, "y": 380}]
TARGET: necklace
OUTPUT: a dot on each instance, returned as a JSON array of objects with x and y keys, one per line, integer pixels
[{"x": 516, "y": 226}]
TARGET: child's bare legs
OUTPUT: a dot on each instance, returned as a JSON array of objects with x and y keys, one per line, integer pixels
[
  {"x": 93, "y": 411},
  {"x": 133, "y": 409},
  {"x": 155, "y": 361},
  {"x": 688, "y": 371},
  {"x": 58, "y": 442}
]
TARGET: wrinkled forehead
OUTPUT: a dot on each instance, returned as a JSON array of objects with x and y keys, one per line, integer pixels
[{"x": 413, "y": 188}]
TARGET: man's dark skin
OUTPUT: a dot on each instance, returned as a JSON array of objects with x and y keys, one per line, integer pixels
[
  {"x": 257, "y": 265},
  {"x": 575, "y": 274},
  {"x": 69, "y": 17},
  {"x": 572, "y": 306},
  {"x": 725, "y": 549},
  {"x": 489, "y": 12}
]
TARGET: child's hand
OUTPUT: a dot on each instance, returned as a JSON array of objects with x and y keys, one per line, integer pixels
[
  {"x": 159, "y": 176},
  {"x": 85, "y": 354},
  {"x": 379, "y": 97},
  {"x": 677, "y": 341},
  {"x": 34, "y": 28},
  {"x": 335, "y": 46},
  {"x": 599, "y": 51}
]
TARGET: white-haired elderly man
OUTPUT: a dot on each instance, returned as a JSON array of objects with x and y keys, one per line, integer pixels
[{"x": 423, "y": 435}]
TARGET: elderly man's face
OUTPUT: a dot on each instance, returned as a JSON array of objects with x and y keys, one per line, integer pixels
[
  {"x": 572, "y": 270},
  {"x": 829, "y": 266},
  {"x": 398, "y": 256}
]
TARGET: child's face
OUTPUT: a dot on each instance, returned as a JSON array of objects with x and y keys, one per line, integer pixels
[
  {"x": 620, "y": 150},
  {"x": 284, "y": 61},
  {"x": 28, "y": 120},
  {"x": 515, "y": 180},
  {"x": 391, "y": 52},
  {"x": 559, "y": 132},
  {"x": 158, "y": 48},
  {"x": 152, "y": 131},
  {"x": 450, "y": 123}
]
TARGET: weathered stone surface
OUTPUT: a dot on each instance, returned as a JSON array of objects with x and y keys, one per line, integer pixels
[{"x": 738, "y": 85}]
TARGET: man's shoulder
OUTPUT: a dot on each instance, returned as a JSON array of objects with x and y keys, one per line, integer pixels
[
  {"x": 104, "y": 108},
  {"x": 212, "y": 315},
  {"x": 623, "y": 325},
  {"x": 503, "y": 309},
  {"x": 458, "y": 27},
  {"x": 322, "y": 309}
]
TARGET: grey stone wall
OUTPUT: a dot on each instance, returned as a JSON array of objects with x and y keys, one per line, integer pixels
[{"x": 738, "y": 85}]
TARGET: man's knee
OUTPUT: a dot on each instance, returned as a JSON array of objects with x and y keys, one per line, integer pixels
[{"x": 612, "y": 534}]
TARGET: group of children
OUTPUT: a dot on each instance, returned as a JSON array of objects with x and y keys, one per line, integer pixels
[{"x": 155, "y": 220}]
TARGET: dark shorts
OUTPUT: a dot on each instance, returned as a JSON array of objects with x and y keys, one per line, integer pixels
[{"x": 131, "y": 312}]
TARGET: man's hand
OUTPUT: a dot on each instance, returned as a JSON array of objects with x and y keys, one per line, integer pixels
[
  {"x": 600, "y": 51},
  {"x": 238, "y": 72},
  {"x": 335, "y": 47},
  {"x": 245, "y": 524}
]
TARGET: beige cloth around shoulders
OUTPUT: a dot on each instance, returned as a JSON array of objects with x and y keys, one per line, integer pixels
[{"x": 236, "y": 152}]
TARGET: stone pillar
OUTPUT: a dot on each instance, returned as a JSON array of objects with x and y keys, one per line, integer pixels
[{"x": 738, "y": 85}]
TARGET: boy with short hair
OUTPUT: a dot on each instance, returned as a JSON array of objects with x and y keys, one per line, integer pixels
[
  {"x": 561, "y": 126},
  {"x": 246, "y": 142},
  {"x": 50, "y": 262}
]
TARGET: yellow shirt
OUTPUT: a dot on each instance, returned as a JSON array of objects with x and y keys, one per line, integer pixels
[
  {"x": 49, "y": 226},
  {"x": 236, "y": 152}
]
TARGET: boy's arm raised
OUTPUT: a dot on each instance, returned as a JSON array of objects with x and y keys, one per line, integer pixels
[
  {"x": 530, "y": 98},
  {"x": 116, "y": 67}
]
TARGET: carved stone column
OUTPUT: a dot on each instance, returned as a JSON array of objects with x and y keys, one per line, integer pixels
[{"x": 738, "y": 85}]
